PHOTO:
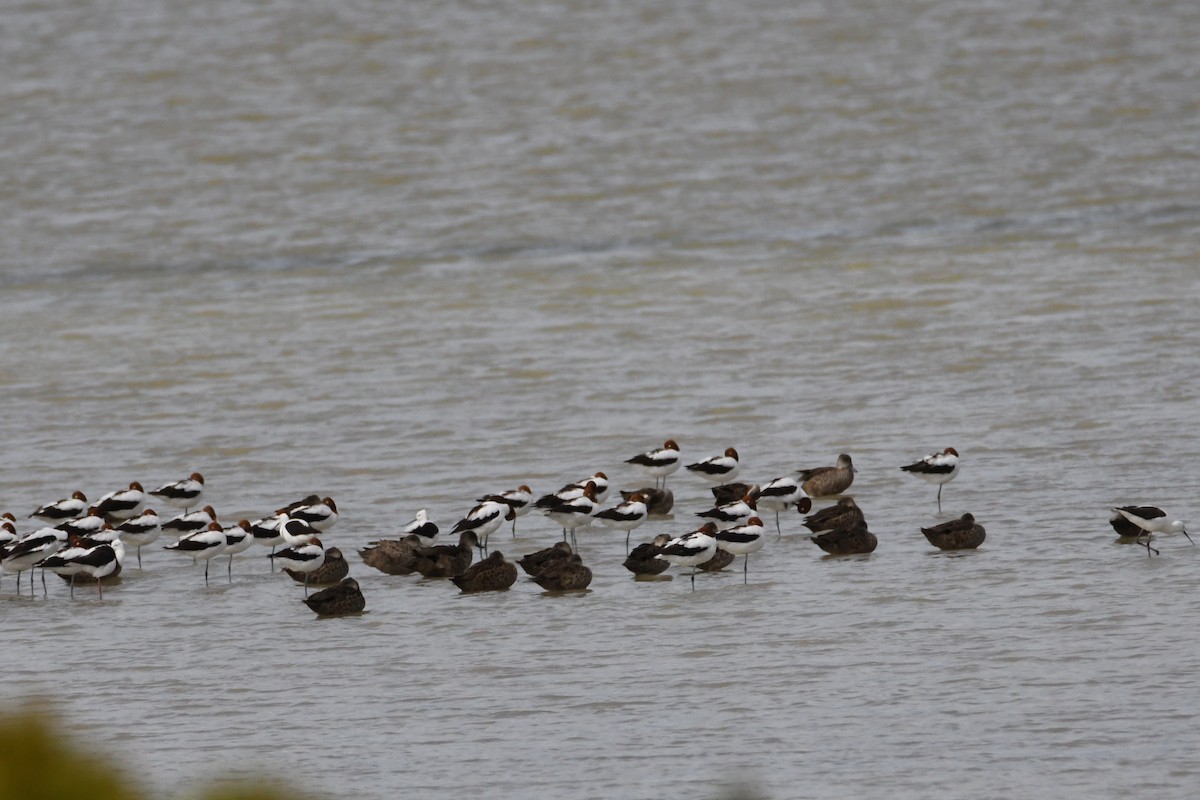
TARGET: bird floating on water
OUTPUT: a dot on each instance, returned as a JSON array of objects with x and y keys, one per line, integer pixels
[
  {"x": 393, "y": 556},
  {"x": 344, "y": 598},
  {"x": 643, "y": 561},
  {"x": 732, "y": 492},
  {"x": 564, "y": 575},
  {"x": 333, "y": 569},
  {"x": 957, "y": 534},
  {"x": 843, "y": 514},
  {"x": 828, "y": 481},
  {"x": 850, "y": 541},
  {"x": 535, "y": 562},
  {"x": 659, "y": 502},
  {"x": 444, "y": 560},
  {"x": 493, "y": 574}
]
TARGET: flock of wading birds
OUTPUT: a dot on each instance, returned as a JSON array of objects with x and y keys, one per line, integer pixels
[{"x": 89, "y": 540}]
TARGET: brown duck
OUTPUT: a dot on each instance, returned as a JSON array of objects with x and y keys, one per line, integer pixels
[
  {"x": 333, "y": 570},
  {"x": 720, "y": 560},
  {"x": 845, "y": 514},
  {"x": 643, "y": 561},
  {"x": 493, "y": 574},
  {"x": 564, "y": 575},
  {"x": 392, "y": 556},
  {"x": 856, "y": 540},
  {"x": 534, "y": 563},
  {"x": 732, "y": 492},
  {"x": 659, "y": 502},
  {"x": 344, "y": 598},
  {"x": 447, "y": 560},
  {"x": 957, "y": 534},
  {"x": 828, "y": 481}
]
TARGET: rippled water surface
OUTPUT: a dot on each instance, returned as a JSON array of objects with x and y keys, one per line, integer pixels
[{"x": 404, "y": 254}]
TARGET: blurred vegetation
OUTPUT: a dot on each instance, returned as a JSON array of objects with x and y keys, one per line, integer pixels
[{"x": 39, "y": 763}]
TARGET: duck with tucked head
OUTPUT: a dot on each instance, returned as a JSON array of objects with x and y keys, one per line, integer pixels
[
  {"x": 344, "y": 598},
  {"x": 447, "y": 561},
  {"x": 493, "y": 574},
  {"x": 957, "y": 534},
  {"x": 565, "y": 575}
]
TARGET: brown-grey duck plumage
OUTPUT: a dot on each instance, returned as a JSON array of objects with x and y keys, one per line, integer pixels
[
  {"x": 564, "y": 575},
  {"x": 732, "y": 492},
  {"x": 659, "y": 502},
  {"x": 536, "y": 562},
  {"x": 447, "y": 561},
  {"x": 493, "y": 574},
  {"x": 957, "y": 534},
  {"x": 856, "y": 540},
  {"x": 330, "y": 572},
  {"x": 343, "y": 598},
  {"x": 844, "y": 514},
  {"x": 720, "y": 560},
  {"x": 393, "y": 556},
  {"x": 828, "y": 481},
  {"x": 643, "y": 560}
]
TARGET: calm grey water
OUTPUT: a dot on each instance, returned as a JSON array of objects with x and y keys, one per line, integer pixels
[{"x": 404, "y": 254}]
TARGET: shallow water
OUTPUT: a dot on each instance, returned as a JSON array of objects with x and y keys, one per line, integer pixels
[{"x": 406, "y": 256}]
